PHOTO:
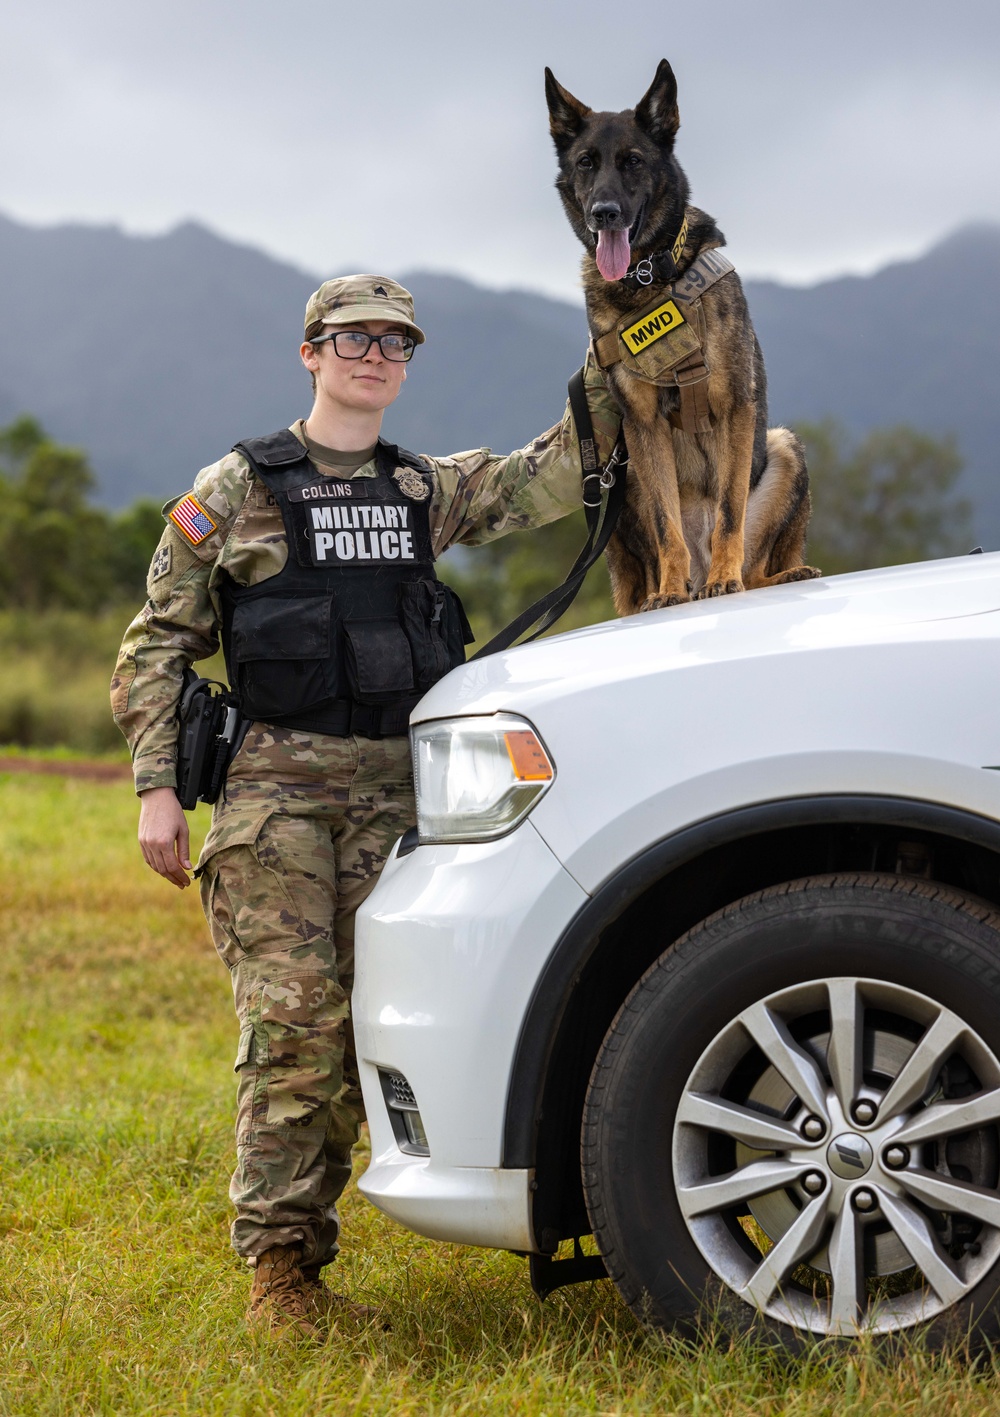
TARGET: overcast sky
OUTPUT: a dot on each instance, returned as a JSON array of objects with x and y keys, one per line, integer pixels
[{"x": 390, "y": 136}]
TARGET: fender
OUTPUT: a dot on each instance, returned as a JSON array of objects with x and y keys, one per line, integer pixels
[{"x": 579, "y": 940}]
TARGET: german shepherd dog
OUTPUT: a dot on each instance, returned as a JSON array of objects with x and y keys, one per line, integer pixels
[{"x": 721, "y": 502}]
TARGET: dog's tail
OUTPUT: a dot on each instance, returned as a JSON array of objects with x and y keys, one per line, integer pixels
[{"x": 778, "y": 511}]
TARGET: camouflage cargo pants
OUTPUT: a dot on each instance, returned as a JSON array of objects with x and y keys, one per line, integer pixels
[{"x": 294, "y": 849}]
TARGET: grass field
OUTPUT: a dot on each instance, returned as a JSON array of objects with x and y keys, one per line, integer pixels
[{"x": 118, "y": 1290}]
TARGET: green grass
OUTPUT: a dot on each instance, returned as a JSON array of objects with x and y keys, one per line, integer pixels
[
  {"x": 57, "y": 669},
  {"x": 55, "y": 684},
  {"x": 118, "y": 1290}
]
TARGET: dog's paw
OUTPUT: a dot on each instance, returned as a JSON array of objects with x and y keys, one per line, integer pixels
[
  {"x": 713, "y": 588},
  {"x": 797, "y": 573},
  {"x": 662, "y": 602}
]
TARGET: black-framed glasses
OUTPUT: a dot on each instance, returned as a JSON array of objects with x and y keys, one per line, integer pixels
[{"x": 355, "y": 344}]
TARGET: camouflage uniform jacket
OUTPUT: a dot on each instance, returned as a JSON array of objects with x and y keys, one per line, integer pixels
[{"x": 475, "y": 497}]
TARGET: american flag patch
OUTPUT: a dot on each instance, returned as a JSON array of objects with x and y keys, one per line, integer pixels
[{"x": 191, "y": 518}]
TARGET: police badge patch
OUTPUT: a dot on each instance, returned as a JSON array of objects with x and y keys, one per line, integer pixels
[
  {"x": 411, "y": 484},
  {"x": 161, "y": 563}
]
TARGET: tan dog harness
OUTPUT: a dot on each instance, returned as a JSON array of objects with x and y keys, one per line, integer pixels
[{"x": 664, "y": 344}]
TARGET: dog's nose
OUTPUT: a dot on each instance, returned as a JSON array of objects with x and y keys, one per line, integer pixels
[{"x": 605, "y": 214}]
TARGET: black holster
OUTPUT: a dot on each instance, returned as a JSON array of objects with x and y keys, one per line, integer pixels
[{"x": 212, "y": 730}]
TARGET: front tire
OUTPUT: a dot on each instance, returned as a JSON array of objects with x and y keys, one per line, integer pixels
[{"x": 797, "y": 1111}]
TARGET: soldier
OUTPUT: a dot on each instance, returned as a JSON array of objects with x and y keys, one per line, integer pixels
[{"x": 310, "y": 554}]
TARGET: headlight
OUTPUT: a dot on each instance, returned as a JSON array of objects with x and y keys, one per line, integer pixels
[{"x": 477, "y": 777}]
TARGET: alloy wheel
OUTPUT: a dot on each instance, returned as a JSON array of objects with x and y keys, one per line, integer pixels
[{"x": 837, "y": 1154}]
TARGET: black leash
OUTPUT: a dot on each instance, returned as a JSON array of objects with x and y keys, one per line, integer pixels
[{"x": 596, "y": 480}]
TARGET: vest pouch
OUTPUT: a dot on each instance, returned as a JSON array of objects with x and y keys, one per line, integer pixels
[
  {"x": 659, "y": 340},
  {"x": 378, "y": 660},
  {"x": 437, "y": 628},
  {"x": 459, "y": 630},
  {"x": 281, "y": 653}
]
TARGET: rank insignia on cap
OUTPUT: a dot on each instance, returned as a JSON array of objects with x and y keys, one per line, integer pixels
[
  {"x": 381, "y": 290},
  {"x": 411, "y": 484},
  {"x": 191, "y": 519}
]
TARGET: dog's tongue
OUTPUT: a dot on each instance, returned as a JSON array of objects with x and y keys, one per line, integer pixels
[{"x": 612, "y": 254}]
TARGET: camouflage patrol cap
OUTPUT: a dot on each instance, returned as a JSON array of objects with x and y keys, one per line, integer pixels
[{"x": 351, "y": 299}]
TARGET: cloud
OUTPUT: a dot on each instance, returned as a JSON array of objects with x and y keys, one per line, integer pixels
[{"x": 823, "y": 138}]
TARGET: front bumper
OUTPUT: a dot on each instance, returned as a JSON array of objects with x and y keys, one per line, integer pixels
[{"x": 450, "y": 945}]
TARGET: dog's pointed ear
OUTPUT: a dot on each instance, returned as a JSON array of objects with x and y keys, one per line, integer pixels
[
  {"x": 566, "y": 113},
  {"x": 657, "y": 112}
]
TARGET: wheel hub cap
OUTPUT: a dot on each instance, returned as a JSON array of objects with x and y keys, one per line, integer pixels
[{"x": 849, "y": 1156}]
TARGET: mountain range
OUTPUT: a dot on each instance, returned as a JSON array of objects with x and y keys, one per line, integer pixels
[{"x": 156, "y": 353}]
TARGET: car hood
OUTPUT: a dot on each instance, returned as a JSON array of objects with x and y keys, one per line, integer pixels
[{"x": 864, "y": 608}]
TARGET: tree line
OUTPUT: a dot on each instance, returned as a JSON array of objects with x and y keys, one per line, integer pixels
[
  {"x": 884, "y": 499},
  {"x": 57, "y": 549}
]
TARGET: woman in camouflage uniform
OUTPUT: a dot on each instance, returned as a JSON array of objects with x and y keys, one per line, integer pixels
[{"x": 307, "y": 818}]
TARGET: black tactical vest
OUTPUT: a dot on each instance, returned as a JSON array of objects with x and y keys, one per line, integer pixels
[{"x": 356, "y": 627}]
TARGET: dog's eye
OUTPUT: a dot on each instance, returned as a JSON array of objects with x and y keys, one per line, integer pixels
[
  {"x": 633, "y": 160},
  {"x": 585, "y": 162}
]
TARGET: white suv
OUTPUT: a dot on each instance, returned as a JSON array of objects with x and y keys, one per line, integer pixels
[{"x": 698, "y": 952}]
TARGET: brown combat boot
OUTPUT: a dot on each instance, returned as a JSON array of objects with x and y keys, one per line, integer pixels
[
  {"x": 327, "y": 1304},
  {"x": 280, "y": 1297}
]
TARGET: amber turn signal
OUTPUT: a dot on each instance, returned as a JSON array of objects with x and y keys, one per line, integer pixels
[{"x": 527, "y": 756}]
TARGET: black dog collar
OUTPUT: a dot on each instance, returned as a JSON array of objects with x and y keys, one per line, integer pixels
[{"x": 661, "y": 265}]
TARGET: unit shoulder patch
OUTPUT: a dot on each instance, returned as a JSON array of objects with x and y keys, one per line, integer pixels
[
  {"x": 192, "y": 521},
  {"x": 411, "y": 484},
  {"x": 162, "y": 561}
]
